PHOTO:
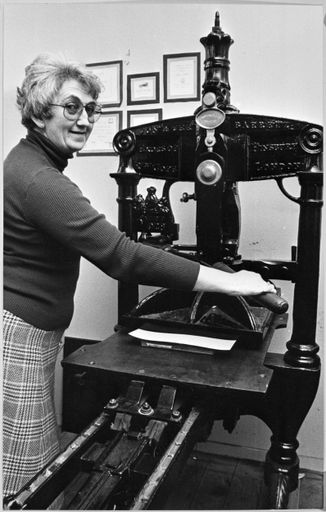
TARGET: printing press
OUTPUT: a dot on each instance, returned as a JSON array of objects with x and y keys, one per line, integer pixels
[{"x": 139, "y": 409}]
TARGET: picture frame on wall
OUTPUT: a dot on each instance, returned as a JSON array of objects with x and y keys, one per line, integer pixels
[
  {"x": 143, "y": 88},
  {"x": 101, "y": 140},
  {"x": 110, "y": 75},
  {"x": 137, "y": 117},
  {"x": 181, "y": 77}
]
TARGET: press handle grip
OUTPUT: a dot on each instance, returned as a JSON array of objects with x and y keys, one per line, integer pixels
[{"x": 269, "y": 300}]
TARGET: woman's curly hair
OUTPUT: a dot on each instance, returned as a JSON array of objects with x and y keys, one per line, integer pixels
[{"x": 43, "y": 80}]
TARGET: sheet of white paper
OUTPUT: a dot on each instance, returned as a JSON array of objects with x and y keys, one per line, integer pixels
[{"x": 184, "y": 339}]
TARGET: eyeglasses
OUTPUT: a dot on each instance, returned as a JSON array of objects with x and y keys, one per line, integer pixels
[{"x": 73, "y": 110}]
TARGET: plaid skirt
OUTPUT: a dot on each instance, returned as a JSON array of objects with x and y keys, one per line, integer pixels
[{"x": 30, "y": 432}]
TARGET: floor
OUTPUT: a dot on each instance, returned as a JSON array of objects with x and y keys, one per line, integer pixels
[{"x": 212, "y": 482}]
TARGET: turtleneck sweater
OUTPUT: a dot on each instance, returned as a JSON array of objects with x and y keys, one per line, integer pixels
[{"x": 49, "y": 225}]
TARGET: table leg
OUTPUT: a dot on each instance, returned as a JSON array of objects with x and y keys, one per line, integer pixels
[{"x": 290, "y": 396}]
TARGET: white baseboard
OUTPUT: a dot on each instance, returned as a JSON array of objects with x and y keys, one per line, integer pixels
[{"x": 255, "y": 454}]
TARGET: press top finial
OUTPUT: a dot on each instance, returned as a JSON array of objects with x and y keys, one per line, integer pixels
[
  {"x": 217, "y": 65},
  {"x": 217, "y": 20}
]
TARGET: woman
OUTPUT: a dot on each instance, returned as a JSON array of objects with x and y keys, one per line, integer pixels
[{"x": 48, "y": 226}]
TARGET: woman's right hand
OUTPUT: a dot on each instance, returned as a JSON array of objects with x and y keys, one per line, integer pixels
[{"x": 243, "y": 282}]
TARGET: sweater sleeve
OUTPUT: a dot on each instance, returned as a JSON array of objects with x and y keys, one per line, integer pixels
[{"x": 55, "y": 205}]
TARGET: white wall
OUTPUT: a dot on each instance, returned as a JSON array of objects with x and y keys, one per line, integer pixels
[{"x": 276, "y": 69}]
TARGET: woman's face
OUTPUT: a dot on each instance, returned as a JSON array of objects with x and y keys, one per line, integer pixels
[{"x": 69, "y": 136}]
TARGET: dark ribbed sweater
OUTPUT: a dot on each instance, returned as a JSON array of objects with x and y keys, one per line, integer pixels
[{"x": 49, "y": 225}]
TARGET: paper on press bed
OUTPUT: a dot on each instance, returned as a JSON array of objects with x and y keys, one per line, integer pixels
[{"x": 184, "y": 339}]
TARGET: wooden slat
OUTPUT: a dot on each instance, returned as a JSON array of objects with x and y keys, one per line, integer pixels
[
  {"x": 311, "y": 491},
  {"x": 246, "y": 488},
  {"x": 190, "y": 478}
]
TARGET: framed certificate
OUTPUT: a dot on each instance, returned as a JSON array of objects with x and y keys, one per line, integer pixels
[
  {"x": 143, "y": 88},
  {"x": 110, "y": 75},
  {"x": 100, "y": 140},
  {"x": 181, "y": 77},
  {"x": 137, "y": 117}
]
